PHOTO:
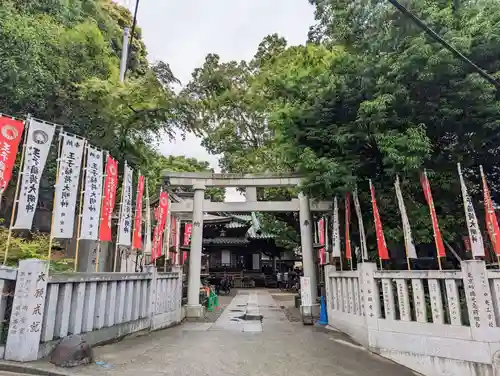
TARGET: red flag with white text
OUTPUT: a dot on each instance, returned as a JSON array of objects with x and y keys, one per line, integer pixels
[
  {"x": 11, "y": 131},
  {"x": 161, "y": 218},
  {"x": 188, "y": 229},
  {"x": 383, "y": 253},
  {"x": 490, "y": 215},
  {"x": 348, "y": 252},
  {"x": 438, "y": 239},
  {"x": 137, "y": 236},
  {"x": 173, "y": 231},
  {"x": 321, "y": 232},
  {"x": 108, "y": 200}
]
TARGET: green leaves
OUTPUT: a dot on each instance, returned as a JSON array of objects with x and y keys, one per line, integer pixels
[
  {"x": 372, "y": 97},
  {"x": 60, "y": 63}
]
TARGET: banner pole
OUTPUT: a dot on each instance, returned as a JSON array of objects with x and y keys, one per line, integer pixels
[
  {"x": 178, "y": 224},
  {"x": 147, "y": 228},
  {"x": 119, "y": 223},
  {"x": 16, "y": 193},
  {"x": 51, "y": 238},
  {"x": 80, "y": 209},
  {"x": 103, "y": 179},
  {"x": 135, "y": 216},
  {"x": 167, "y": 240}
]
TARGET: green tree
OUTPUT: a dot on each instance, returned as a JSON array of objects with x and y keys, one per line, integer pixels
[
  {"x": 60, "y": 63},
  {"x": 230, "y": 115},
  {"x": 374, "y": 97},
  {"x": 232, "y": 118},
  {"x": 370, "y": 97},
  {"x": 160, "y": 164}
]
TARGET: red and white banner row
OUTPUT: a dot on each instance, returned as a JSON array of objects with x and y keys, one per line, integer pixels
[
  {"x": 475, "y": 238},
  {"x": 99, "y": 187}
]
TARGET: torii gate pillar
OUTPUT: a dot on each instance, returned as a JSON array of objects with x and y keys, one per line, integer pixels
[
  {"x": 308, "y": 256},
  {"x": 194, "y": 308}
]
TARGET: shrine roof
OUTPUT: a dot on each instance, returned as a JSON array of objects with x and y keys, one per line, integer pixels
[
  {"x": 226, "y": 241},
  {"x": 239, "y": 221}
]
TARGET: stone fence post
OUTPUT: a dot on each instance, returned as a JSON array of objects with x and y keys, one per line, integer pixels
[
  {"x": 479, "y": 299},
  {"x": 25, "y": 327},
  {"x": 370, "y": 295},
  {"x": 152, "y": 301},
  {"x": 329, "y": 294}
]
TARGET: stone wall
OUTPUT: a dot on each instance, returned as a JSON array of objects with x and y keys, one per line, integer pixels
[
  {"x": 434, "y": 322},
  {"x": 99, "y": 306}
]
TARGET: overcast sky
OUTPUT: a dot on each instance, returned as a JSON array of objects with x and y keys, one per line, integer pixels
[{"x": 183, "y": 32}]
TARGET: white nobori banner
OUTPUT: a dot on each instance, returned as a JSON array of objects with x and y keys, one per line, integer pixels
[
  {"x": 125, "y": 228},
  {"x": 38, "y": 141},
  {"x": 336, "y": 230},
  {"x": 70, "y": 164},
  {"x": 411, "y": 252},
  {"x": 361, "y": 226},
  {"x": 92, "y": 198},
  {"x": 475, "y": 236}
]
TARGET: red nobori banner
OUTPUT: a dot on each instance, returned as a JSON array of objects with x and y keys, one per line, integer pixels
[
  {"x": 435, "y": 226},
  {"x": 156, "y": 241},
  {"x": 161, "y": 218},
  {"x": 348, "y": 251},
  {"x": 108, "y": 200},
  {"x": 163, "y": 210},
  {"x": 383, "y": 253},
  {"x": 188, "y": 228},
  {"x": 322, "y": 250},
  {"x": 490, "y": 216},
  {"x": 11, "y": 131},
  {"x": 137, "y": 236},
  {"x": 173, "y": 231}
]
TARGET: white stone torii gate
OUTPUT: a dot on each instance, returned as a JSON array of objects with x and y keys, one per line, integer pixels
[{"x": 250, "y": 182}]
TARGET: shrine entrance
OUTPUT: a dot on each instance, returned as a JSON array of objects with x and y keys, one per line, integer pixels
[{"x": 197, "y": 206}]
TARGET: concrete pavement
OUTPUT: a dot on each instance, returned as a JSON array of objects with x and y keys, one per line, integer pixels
[{"x": 240, "y": 343}]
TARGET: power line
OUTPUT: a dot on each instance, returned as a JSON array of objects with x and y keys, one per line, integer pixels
[{"x": 488, "y": 77}]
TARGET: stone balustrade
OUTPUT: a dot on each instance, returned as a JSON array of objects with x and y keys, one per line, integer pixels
[
  {"x": 99, "y": 306},
  {"x": 434, "y": 322}
]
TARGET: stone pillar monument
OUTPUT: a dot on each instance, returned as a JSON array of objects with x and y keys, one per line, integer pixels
[
  {"x": 306, "y": 236},
  {"x": 194, "y": 308}
]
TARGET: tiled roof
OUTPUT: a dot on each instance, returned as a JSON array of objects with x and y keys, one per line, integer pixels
[
  {"x": 234, "y": 224},
  {"x": 224, "y": 240},
  {"x": 239, "y": 221},
  {"x": 242, "y": 217}
]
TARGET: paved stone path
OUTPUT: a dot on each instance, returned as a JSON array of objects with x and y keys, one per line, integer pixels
[{"x": 234, "y": 346}]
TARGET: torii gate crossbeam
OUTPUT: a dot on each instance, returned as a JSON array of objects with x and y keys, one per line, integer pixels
[{"x": 200, "y": 181}]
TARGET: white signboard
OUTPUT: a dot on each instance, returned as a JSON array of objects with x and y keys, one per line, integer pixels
[
  {"x": 125, "y": 229},
  {"x": 92, "y": 197},
  {"x": 305, "y": 291},
  {"x": 38, "y": 143},
  {"x": 67, "y": 187}
]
